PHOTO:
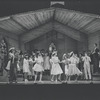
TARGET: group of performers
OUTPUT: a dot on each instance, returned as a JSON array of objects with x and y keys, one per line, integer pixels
[{"x": 39, "y": 62}]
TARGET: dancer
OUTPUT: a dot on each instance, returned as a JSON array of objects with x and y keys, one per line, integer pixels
[
  {"x": 96, "y": 58},
  {"x": 65, "y": 61},
  {"x": 81, "y": 68},
  {"x": 12, "y": 66},
  {"x": 47, "y": 63},
  {"x": 73, "y": 70},
  {"x": 38, "y": 67},
  {"x": 31, "y": 62},
  {"x": 56, "y": 69},
  {"x": 86, "y": 66},
  {"x": 26, "y": 67}
]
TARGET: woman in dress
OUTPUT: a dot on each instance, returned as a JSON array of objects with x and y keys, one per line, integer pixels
[
  {"x": 73, "y": 70},
  {"x": 56, "y": 69},
  {"x": 26, "y": 67},
  {"x": 38, "y": 67}
]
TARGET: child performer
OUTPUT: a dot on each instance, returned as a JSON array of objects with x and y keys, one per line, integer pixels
[
  {"x": 65, "y": 61},
  {"x": 31, "y": 62},
  {"x": 86, "y": 66},
  {"x": 26, "y": 67},
  {"x": 38, "y": 67},
  {"x": 73, "y": 70},
  {"x": 56, "y": 69},
  {"x": 12, "y": 66},
  {"x": 47, "y": 64}
]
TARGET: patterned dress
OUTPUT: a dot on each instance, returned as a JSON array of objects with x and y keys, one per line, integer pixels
[{"x": 73, "y": 70}]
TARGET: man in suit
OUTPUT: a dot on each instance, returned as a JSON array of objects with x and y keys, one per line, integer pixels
[{"x": 96, "y": 58}]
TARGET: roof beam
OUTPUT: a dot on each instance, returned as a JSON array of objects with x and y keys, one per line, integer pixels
[
  {"x": 8, "y": 34},
  {"x": 87, "y": 24},
  {"x": 56, "y": 26},
  {"x": 70, "y": 32},
  {"x": 36, "y": 32},
  {"x": 18, "y": 23}
]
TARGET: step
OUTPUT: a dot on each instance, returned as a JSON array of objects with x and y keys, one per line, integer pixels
[{"x": 96, "y": 77}]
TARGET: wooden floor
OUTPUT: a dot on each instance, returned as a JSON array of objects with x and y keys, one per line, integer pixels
[{"x": 49, "y": 82}]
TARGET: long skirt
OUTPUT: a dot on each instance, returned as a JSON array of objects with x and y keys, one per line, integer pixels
[{"x": 73, "y": 70}]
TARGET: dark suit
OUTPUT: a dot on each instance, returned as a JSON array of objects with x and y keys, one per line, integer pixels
[{"x": 96, "y": 60}]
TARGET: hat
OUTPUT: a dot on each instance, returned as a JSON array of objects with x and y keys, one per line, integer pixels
[
  {"x": 71, "y": 53},
  {"x": 26, "y": 55},
  {"x": 12, "y": 49},
  {"x": 64, "y": 54}
]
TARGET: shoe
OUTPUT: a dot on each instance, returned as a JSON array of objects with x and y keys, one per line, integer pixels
[
  {"x": 52, "y": 80},
  {"x": 26, "y": 80}
]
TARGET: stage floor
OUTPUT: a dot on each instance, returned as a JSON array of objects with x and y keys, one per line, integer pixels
[{"x": 49, "y": 82}]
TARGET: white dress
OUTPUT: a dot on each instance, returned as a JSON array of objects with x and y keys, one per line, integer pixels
[
  {"x": 26, "y": 66},
  {"x": 47, "y": 63},
  {"x": 56, "y": 69},
  {"x": 38, "y": 67},
  {"x": 30, "y": 66},
  {"x": 66, "y": 66},
  {"x": 73, "y": 70},
  {"x": 9, "y": 62}
]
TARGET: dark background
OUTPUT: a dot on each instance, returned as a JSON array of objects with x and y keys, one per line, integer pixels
[{"x": 9, "y": 7}]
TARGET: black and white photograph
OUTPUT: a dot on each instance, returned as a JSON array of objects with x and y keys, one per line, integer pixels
[{"x": 50, "y": 43}]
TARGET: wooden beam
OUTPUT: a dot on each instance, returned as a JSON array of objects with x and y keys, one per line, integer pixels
[
  {"x": 87, "y": 24},
  {"x": 70, "y": 32},
  {"x": 11, "y": 18},
  {"x": 82, "y": 37},
  {"x": 8, "y": 34},
  {"x": 36, "y": 32}
]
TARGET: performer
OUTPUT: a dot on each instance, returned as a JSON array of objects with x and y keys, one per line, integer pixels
[
  {"x": 3, "y": 55},
  {"x": 73, "y": 70},
  {"x": 52, "y": 48},
  {"x": 26, "y": 67},
  {"x": 56, "y": 69},
  {"x": 96, "y": 58},
  {"x": 86, "y": 66},
  {"x": 66, "y": 62},
  {"x": 38, "y": 67},
  {"x": 12, "y": 66},
  {"x": 31, "y": 62},
  {"x": 81, "y": 65},
  {"x": 47, "y": 64}
]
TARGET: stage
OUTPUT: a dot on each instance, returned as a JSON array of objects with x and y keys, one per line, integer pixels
[{"x": 51, "y": 83}]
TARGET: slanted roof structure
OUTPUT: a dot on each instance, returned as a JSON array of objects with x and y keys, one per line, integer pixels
[{"x": 30, "y": 25}]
